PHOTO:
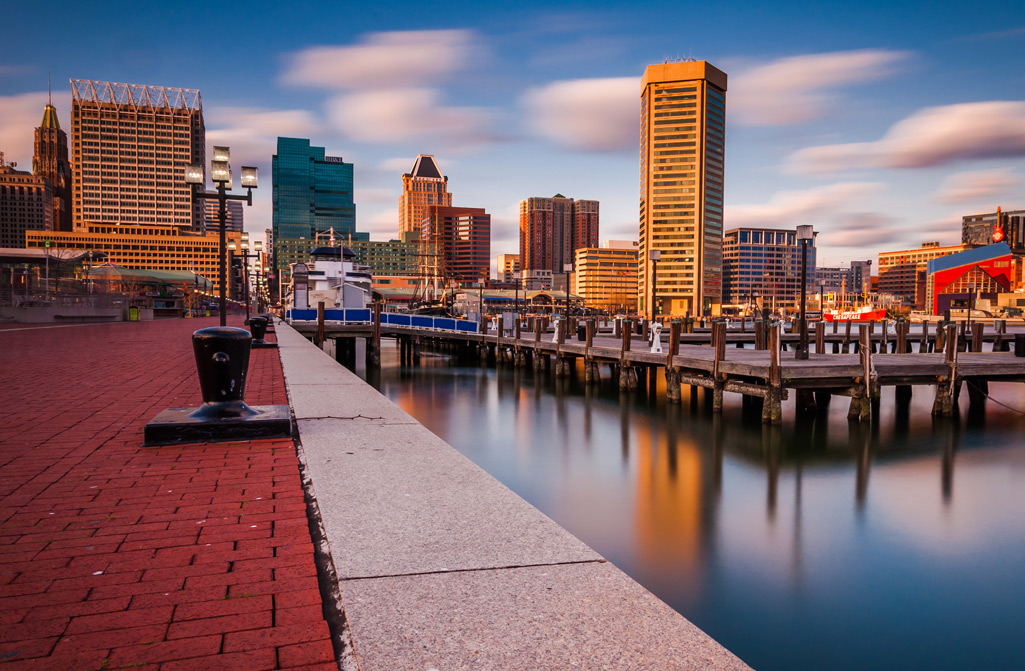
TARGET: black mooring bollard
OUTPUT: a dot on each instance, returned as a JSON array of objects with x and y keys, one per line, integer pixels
[
  {"x": 258, "y": 325},
  {"x": 222, "y": 361},
  {"x": 1019, "y": 344}
]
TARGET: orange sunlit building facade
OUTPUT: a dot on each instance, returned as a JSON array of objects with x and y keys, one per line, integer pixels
[{"x": 422, "y": 188}]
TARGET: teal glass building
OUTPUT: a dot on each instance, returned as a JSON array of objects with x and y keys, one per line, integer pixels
[{"x": 312, "y": 196}]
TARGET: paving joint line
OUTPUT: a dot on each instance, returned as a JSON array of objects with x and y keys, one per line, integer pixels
[{"x": 599, "y": 560}]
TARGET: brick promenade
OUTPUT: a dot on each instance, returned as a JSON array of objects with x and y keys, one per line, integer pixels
[{"x": 113, "y": 555}]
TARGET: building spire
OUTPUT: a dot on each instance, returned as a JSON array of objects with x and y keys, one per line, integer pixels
[{"x": 49, "y": 89}]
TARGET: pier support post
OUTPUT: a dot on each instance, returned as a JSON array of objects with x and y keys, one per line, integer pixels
[
  {"x": 373, "y": 356},
  {"x": 946, "y": 385},
  {"x": 772, "y": 408}
]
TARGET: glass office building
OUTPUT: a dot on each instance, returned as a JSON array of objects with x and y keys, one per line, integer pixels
[{"x": 312, "y": 201}]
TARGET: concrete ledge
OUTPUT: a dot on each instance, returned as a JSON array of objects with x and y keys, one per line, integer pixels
[{"x": 441, "y": 566}]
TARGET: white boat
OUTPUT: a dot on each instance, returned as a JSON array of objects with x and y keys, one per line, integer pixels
[{"x": 333, "y": 277}]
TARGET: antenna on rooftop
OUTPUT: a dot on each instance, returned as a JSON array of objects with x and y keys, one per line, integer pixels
[{"x": 49, "y": 88}]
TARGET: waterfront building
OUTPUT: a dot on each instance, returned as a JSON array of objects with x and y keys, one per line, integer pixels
[
  {"x": 422, "y": 188},
  {"x": 389, "y": 258},
  {"x": 902, "y": 273},
  {"x": 312, "y": 198},
  {"x": 981, "y": 229},
  {"x": 50, "y": 160},
  {"x": 540, "y": 279},
  {"x": 211, "y": 215},
  {"x": 962, "y": 279},
  {"x": 832, "y": 280},
  {"x": 683, "y": 131},
  {"x": 605, "y": 277},
  {"x": 552, "y": 229},
  {"x": 26, "y": 204},
  {"x": 764, "y": 263},
  {"x": 861, "y": 276},
  {"x": 458, "y": 241},
  {"x": 142, "y": 247},
  {"x": 130, "y": 145},
  {"x": 506, "y": 266}
]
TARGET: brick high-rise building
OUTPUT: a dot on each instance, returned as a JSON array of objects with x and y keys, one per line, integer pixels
[
  {"x": 26, "y": 204},
  {"x": 683, "y": 131},
  {"x": 422, "y": 188},
  {"x": 552, "y": 229},
  {"x": 50, "y": 160},
  {"x": 458, "y": 240},
  {"x": 130, "y": 145}
]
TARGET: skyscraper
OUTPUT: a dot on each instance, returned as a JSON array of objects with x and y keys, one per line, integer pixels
[
  {"x": 312, "y": 195},
  {"x": 50, "y": 160},
  {"x": 423, "y": 187},
  {"x": 234, "y": 215},
  {"x": 552, "y": 229},
  {"x": 683, "y": 129},
  {"x": 130, "y": 147},
  {"x": 458, "y": 240}
]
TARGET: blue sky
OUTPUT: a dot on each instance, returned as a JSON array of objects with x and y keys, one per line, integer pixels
[{"x": 878, "y": 123}]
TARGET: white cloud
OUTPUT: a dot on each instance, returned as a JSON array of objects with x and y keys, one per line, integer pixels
[
  {"x": 394, "y": 115},
  {"x": 930, "y": 137},
  {"x": 20, "y": 115},
  {"x": 790, "y": 208},
  {"x": 252, "y": 133},
  {"x": 801, "y": 88},
  {"x": 587, "y": 114},
  {"x": 977, "y": 186},
  {"x": 384, "y": 60}
]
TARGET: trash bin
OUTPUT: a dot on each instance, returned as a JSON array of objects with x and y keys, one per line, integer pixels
[
  {"x": 133, "y": 314},
  {"x": 582, "y": 331}
]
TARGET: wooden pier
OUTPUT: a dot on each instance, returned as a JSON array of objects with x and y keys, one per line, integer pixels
[{"x": 855, "y": 362}]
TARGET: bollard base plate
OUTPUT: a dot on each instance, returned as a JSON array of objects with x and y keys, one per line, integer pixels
[
  {"x": 175, "y": 425},
  {"x": 263, "y": 344}
]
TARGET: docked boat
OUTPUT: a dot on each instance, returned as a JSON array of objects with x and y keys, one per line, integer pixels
[
  {"x": 333, "y": 277},
  {"x": 866, "y": 313}
]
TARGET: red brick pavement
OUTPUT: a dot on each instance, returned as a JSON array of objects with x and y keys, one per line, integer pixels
[{"x": 113, "y": 555}]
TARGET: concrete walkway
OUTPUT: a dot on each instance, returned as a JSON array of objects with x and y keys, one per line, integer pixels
[
  {"x": 442, "y": 567},
  {"x": 113, "y": 555}
]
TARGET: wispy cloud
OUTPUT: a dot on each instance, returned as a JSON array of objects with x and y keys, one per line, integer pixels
[
  {"x": 389, "y": 116},
  {"x": 798, "y": 89},
  {"x": 586, "y": 114},
  {"x": 384, "y": 60},
  {"x": 386, "y": 87},
  {"x": 978, "y": 186},
  {"x": 930, "y": 137}
]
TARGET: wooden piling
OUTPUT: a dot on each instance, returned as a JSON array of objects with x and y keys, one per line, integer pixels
[
  {"x": 820, "y": 337},
  {"x": 946, "y": 384},
  {"x": 772, "y": 408},
  {"x": 320, "y": 324},
  {"x": 923, "y": 346}
]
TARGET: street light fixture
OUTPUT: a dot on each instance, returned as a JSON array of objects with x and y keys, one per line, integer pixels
[
  {"x": 804, "y": 235},
  {"x": 655, "y": 255},
  {"x": 567, "y": 268},
  {"x": 220, "y": 173}
]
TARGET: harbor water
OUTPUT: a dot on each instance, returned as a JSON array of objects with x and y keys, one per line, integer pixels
[{"x": 897, "y": 543}]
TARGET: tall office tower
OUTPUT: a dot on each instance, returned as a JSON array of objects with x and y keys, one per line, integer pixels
[
  {"x": 458, "y": 240},
  {"x": 26, "y": 204},
  {"x": 683, "y": 130},
  {"x": 233, "y": 220},
  {"x": 552, "y": 229},
  {"x": 313, "y": 201},
  {"x": 130, "y": 145},
  {"x": 50, "y": 160},
  {"x": 423, "y": 187}
]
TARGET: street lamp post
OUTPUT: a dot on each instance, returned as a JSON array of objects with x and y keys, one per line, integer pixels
[
  {"x": 258, "y": 244},
  {"x": 655, "y": 255},
  {"x": 804, "y": 236},
  {"x": 220, "y": 172},
  {"x": 567, "y": 268}
]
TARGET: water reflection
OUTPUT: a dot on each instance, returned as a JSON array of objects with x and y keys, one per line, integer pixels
[{"x": 821, "y": 543}]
